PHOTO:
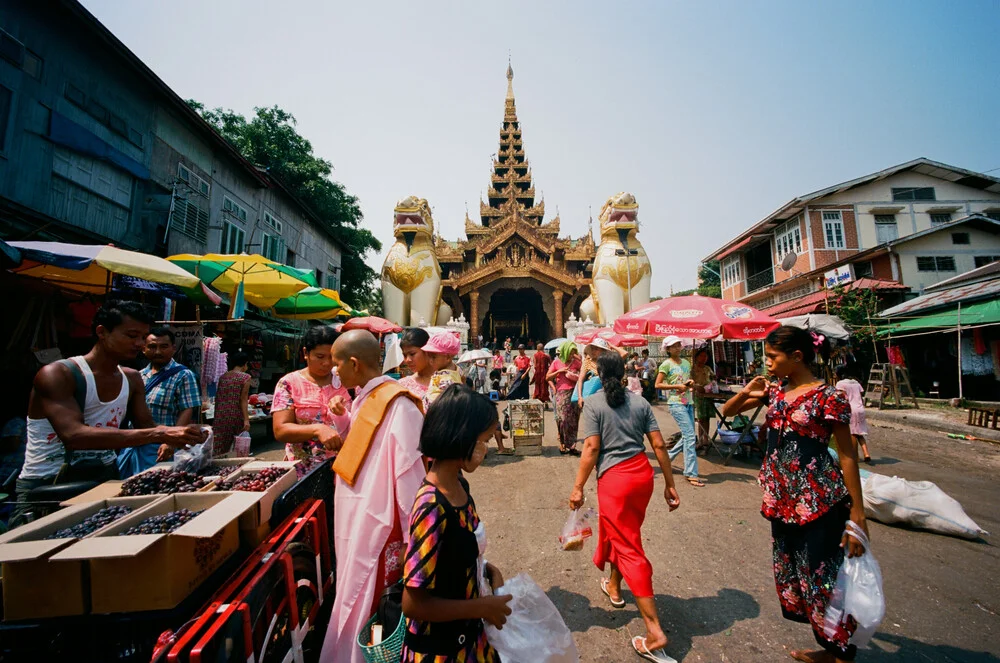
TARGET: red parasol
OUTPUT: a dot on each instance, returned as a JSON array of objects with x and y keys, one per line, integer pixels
[
  {"x": 695, "y": 316},
  {"x": 373, "y": 324},
  {"x": 617, "y": 339}
]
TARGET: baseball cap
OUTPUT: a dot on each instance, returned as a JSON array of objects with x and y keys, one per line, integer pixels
[
  {"x": 444, "y": 343},
  {"x": 670, "y": 340}
]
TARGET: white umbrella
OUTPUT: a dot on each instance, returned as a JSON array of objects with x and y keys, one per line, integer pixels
[
  {"x": 555, "y": 343},
  {"x": 474, "y": 355}
]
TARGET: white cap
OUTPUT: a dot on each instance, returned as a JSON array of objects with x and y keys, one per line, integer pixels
[{"x": 670, "y": 340}]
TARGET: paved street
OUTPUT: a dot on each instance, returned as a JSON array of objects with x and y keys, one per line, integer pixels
[{"x": 711, "y": 557}]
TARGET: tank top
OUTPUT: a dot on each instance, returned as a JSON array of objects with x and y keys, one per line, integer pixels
[{"x": 45, "y": 453}]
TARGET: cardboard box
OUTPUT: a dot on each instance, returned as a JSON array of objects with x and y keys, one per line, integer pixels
[
  {"x": 103, "y": 491},
  {"x": 254, "y": 519},
  {"x": 34, "y": 585},
  {"x": 158, "y": 571}
]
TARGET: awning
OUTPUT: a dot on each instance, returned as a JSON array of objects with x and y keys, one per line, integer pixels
[
  {"x": 977, "y": 313},
  {"x": 64, "y": 131},
  {"x": 815, "y": 302}
]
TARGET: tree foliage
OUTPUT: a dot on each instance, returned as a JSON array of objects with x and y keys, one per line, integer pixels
[
  {"x": 269, "y": 139},
  {"x": 858, "y": 308},
  {"x": 709, "y": 283}
]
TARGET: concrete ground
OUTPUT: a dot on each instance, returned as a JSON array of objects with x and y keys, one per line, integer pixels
[{"x": 712, "y": 557}]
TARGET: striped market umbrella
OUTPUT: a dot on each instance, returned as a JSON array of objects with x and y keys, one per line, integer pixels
[
  {"x": 311, "y": 304},
  {"x": 258, "y": 280}
]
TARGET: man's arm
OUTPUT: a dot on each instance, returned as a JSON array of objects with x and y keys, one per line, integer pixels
[{"x": 54, "y": 387}]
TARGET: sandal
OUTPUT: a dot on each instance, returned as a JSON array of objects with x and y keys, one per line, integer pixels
[
  {"x": 574, "y": 452},
  {"x": 604, "y": 588},
  {"x": 696, "y": 482},
  {"x": 657, "y": 656},
  {"x": 507, "y": 451}
]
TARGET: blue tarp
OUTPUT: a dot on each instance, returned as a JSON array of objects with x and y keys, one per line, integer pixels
[{"x": 68, "y": 133}]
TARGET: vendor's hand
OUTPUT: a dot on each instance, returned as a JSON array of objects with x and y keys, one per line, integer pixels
[
  {"x": 246, "y": 425},
  {"x": 328, "y": 437},
  {"x": 181, "y": 436},
  {"x": 496, "y": 578},
  {"x": 673, "y": 500},
  {"x": 849, "y": 543},
  {"x": 165, "y": 452},
  {"x": 495, "y": 610},
  {"x": 576, "y": 499},
  {"x": 757, "y": 388},
  {"x": 338, "y": 405}
]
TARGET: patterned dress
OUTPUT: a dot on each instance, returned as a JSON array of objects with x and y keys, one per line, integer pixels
[
  {"x": 414, "y": 387},
  {"x": 806, "y": 500},
  {"x": 311, "y": 404},
  {"x": 442, "y": 559},
  {"x": 228, "y": 420}
]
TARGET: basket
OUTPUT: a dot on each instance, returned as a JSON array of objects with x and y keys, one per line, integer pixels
[
  {"x": 390, "y": 650},
  {"x": 730, "y": 436}
]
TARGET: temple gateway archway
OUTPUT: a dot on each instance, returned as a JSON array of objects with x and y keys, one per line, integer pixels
[{"x": 517, "y": 311}]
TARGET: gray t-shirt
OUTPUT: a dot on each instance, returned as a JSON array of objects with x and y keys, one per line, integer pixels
[{"x": 622, "y": 429}]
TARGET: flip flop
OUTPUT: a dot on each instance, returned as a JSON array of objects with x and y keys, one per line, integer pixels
[
  {"x": 657, "y": 656},
  {"x": 507, "y": 451},
  {"x": 604, "y": 588},
  {"x": 697, "y": 483}
]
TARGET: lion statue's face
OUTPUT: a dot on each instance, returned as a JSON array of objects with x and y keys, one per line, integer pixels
[
  {"x": 620, "y": 212},
  {"x": 412, "y": 216}
]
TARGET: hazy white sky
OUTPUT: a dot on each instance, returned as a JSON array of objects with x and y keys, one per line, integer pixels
[{"x": 712, "y": 113}]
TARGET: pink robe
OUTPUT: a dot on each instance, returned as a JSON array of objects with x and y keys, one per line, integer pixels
[{"x": 363, "y": 519}]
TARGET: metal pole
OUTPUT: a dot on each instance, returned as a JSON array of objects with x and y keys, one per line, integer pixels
[{"x": 959, "y": 331}]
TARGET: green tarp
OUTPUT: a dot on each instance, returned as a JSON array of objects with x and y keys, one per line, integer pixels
[{"x": 976, "y": 313}]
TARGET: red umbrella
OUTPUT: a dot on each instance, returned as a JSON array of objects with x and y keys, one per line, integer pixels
[
  {"x": 617, "y": 339},
  {"x": 695, "y": 316},
  {"x": 373, "y": 324}
]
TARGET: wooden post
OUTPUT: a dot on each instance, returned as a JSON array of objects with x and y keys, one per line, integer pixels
[{"x": 959, "y": 331}]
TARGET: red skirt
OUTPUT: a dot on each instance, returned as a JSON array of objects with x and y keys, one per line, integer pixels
[{"x": 623, "y": 493}]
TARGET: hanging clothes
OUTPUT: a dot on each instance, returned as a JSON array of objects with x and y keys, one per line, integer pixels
[
  {"x": 973, "y": 363},
  {"x": 896, "y": 356}
]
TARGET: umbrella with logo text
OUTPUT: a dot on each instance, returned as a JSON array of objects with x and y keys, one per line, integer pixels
[
  {"x": 617, "y": 339},
  {"x": 694, "y": 316}
]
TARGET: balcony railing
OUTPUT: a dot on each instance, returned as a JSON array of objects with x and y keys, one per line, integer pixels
[{"x": 760, "y": 280}]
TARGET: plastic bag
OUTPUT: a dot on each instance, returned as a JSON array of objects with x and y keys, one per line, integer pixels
[
  {"x": 857, "y": 593},
  {"x": 918, "y": 504},
  {"x": 195, "y": 457},
  {"x": 577, "y": 529},
  {"x": 241, "y": 445},
  {"x": 535, "y": 631}
]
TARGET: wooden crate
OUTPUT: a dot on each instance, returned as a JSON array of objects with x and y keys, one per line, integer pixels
[{"x": 528, "y": 445}]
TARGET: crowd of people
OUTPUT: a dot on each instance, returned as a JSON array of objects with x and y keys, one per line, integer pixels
[{"x": 401, "y": 451}]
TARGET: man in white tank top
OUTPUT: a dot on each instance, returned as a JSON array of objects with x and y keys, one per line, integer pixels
[{"x": 67, "y": 442}]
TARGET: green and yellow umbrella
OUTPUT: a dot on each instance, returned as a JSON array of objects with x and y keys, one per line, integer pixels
[
  {"x": 261, "y": 281},
  {"x": 311, "y": 304}
]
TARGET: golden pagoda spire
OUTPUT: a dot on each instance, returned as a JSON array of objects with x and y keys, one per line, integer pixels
[{"x": 510, "y": 79}]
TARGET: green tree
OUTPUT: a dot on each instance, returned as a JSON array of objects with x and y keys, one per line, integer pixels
[
  {"x": 709, "y": 283},
  {"x": 269, "y": 139},
  {"x": 857, "y": 308}
]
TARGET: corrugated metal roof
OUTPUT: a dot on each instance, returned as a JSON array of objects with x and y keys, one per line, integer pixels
[
  {"x": 932, "y": 300},
  {"x": 816, "y": 301}
]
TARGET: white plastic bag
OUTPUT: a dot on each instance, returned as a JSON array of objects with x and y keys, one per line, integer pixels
[
  {"x": 535, "y": 631},
  {"x": 858, "y": 593},
  {"x": 241, "y": 445},
  {"x": 577, "y": 529},
  {"x": 919, "y": 504},
  {"x": 195, "y": 457}
]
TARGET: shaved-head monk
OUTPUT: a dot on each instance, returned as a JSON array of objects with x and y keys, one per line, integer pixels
[{"x": 378, "y": 472}]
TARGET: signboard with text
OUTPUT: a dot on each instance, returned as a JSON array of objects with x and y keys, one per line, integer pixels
[{"x": 838, "y": 276}]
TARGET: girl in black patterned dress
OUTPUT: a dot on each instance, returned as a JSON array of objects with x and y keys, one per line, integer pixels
[{"x": 808, "y": 497}]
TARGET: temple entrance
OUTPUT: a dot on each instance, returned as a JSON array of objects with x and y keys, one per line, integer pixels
[{"x": 518, "y": 314}]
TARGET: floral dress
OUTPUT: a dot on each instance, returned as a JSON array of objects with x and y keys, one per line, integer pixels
[
  {"x": 806, "y": 500},
  {"x": 414, "y": 387},
  {"x": 311, "y": 404},
  {"x": 442, "y": 558}
]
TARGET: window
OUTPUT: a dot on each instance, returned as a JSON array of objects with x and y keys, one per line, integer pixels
[
  {"x": 32, "y": 65},
  {"x": 118, "y": 125},
  {"x": 913, "y": 193},
  {"x": 960, "y": 238},
  {"x": 11, "y": 49},
  {"x": 76, "y": 95},
  {"x": 233, "y": 238},
  {"x": 833, "y": 227},
  {"x": 229, "y": 206},
  {"x": 6, "y": 101},
  {"x": 272, "y": 222},
  {"x": 788, "y": 239},
  {"x": 332, "y": 277},
  {"x": 190, "y": 219},
  {"x": 864, "y": 269},
  {"x": 935, "y": 264},
  {"x": 886, "y": 229},
  {"x": 982, "y": 261},
  {"x": 731, "y": 272},
  {"x": 290, "y": 258},
  {"x": 135, "y": 137},
  {"x": 197, "y": 184},
  {"x": 273, "y": 247},
  {"x": 98, "y": 111},
  {"x": 944, "y": 217}
]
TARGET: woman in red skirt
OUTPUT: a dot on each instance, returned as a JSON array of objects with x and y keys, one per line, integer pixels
[{"x": 614, "y": 424}]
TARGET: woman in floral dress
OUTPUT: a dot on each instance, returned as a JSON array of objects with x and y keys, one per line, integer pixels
[
  {"x": 302, "y": 410},
  {"x": 808, "y": 496},
  {"x": 231, "y": 397},
  {"x": 564, "y": 372}
]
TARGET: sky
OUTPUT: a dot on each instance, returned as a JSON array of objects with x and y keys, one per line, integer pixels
[{"x": 713, "y": 114}]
